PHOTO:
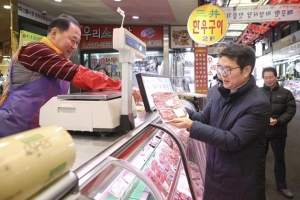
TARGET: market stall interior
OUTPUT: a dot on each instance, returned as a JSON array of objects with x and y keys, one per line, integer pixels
[
  {"x": 171, "y": 12},
  {"x": 82, "y": 111},
  {"x": 152, "y": 160}
]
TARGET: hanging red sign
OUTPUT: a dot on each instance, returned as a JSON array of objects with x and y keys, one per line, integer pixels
[{"x": 200, "y": 69}]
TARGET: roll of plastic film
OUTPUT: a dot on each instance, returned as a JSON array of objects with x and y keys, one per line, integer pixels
[{"x": 31, "y": 160}]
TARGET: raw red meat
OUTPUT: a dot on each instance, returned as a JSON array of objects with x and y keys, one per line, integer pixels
[{"x": 169, "y": 105}]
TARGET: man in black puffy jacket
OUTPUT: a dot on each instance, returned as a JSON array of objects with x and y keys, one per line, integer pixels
[{"x": 283, "y": 108}]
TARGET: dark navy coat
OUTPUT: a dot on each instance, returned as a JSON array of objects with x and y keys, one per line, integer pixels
[{"x": 233, "y": 125}]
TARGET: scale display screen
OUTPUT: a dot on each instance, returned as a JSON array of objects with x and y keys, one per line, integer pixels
[
  {"x": 151, "y": 83},
  {"x": 134, "y": 44}
]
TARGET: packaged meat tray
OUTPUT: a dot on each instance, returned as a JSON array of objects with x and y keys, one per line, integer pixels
[
  {"x": 183, "y": 187},
  {"x": 154, "y": 141},
  {"x": 168, "y": 106},
  {"x": 181, "y": 196},
  {"x": 160, "y": 134},
  {"x": 118, "y": 188},
  {"x": 143, "y": 157},
  {"x": 196, "y": 178},
  {"x": 128, "y": 176},
  {"x": 165, "y": 163},
  {"x": 145, "y": 153},
  {"x": 182, "y": 133},
  {"x": 148, "y": 172},
  {"x": 169, "y": 140},
  {"x": 182, "y": 190},
  {"x": 160, "y": 173},
  {"x": 165, "y": 152}
]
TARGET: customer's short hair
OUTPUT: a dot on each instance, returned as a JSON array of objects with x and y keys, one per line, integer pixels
[
  {"x": 269, "y": 69},
  {"x": 62, "y": 22},
  {"x": 242, "y": 54}
]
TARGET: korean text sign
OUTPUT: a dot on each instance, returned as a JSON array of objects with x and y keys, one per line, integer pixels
[
  {"x": 100, "y": 36},
  {"x": 207, "y": 24},
  {"x": 263, "y": 13},
  {"x": 201, "y": 84}
]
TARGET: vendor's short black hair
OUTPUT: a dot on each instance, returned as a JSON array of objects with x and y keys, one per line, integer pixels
[
  {"x": 269, "y": 69},
  {"x": 62, "y": 22}
]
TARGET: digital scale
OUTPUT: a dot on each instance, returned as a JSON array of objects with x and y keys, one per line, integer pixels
[{"x": 103, "y": 111}]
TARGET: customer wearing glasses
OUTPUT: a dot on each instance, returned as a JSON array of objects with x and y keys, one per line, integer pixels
[
  {"x": 233, "y": 125},
  {"x": 283, "y": 109}
]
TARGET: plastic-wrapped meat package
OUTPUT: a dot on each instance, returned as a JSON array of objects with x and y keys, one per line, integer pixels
[
  {"x": 148, "y": 172},
  {"x": 160, "y": 134},
  {"x": 168, "y": 106},
  {"x": 154, "y": 141},
  {"x": 163, "y": 160},
  {"x": 196, "y": 178},
  {"x": 182, "y": 133},
  {"x": 181, "y": 196},
  {"x": 169, "y": 140},
  {"x": 128, "y": 176},
  {"x": 160, "y": 173},
  {"x": 170, "y": 155},
  {"x": 118, "y": 187},
  {"x": 145, "y": 153},
  {"x": 182, "y": 190}
]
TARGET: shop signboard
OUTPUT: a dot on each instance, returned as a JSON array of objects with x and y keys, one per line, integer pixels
[
  {"x": 27, "y": 37},
  {"x": 180, "y": 37},
  {"x": 33, "y": 14},
  {"x": 207, "y": 24},
  {"x": 286, "y": 52},
  {"x": 200, "y": 68},
  {"x": 287, "y": 46},
  {"x": 263, "y": 13},
  {"x": 287, "y": 41},
  {"x": 100, "y": 36}
]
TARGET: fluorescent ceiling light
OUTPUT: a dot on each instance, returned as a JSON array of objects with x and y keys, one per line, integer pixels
[
  {"x": 58, "y": 0},
  {"x": 6, "y": 6},
  {"x": 233, "y": 34},
  {"x": 237, "y": 26},
  {"x": 135, "y": 17},
  {"x": 241, "y": 3},
  {"x": 153, "y": 53}
]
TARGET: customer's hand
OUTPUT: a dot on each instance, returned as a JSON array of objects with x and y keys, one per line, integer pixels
[
  {"x": 181, "y": 123},
  {"x": 273, "y": 122}
]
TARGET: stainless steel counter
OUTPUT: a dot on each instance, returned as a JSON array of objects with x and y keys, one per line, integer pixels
[{"x": 89, "y": 146}]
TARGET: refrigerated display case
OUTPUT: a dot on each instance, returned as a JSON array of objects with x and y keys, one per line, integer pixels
[
  {"x": 153, "y": 161},
  {"x": 158, "y": 162}
]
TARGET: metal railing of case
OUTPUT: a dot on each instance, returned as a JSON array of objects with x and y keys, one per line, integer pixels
[
  {"x": 59, "y": 188},
  {"x": 92, "y": 163},
  {"x": 123, "y": 163},
  {"x": 182, "y": 154}
]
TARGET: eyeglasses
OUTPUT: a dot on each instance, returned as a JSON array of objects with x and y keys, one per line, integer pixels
[{"x": 226, "y": 70}]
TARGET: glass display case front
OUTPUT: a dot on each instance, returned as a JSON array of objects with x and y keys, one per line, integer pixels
[
  {"x": 294, "y": 86},
  {"x": 161, "y": 162}
]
